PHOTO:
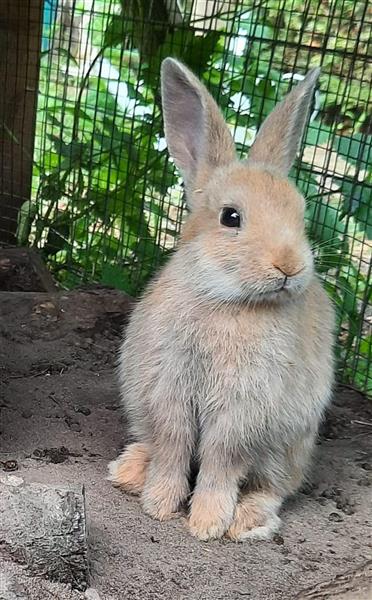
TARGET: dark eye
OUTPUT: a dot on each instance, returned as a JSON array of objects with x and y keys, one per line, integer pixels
[{"x": 230, "y": 217}]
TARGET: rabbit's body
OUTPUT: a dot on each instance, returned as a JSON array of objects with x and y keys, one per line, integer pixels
[
  {"x": 252, "y": 372},
  {"x": 227, "y": 359}
]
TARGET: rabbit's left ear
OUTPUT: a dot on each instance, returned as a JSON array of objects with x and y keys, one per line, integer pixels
[{"x": 279, "y": 138}]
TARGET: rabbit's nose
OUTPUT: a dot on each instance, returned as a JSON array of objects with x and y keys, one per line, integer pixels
[
  {"x": 289, "y": 270},
  {"x": 287, "y": 261}
]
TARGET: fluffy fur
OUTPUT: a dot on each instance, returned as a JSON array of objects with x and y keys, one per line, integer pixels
[{"x": 227, "y": 360}]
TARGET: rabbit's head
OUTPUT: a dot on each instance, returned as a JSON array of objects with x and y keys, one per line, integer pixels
[{"x": 245, "y": 234}]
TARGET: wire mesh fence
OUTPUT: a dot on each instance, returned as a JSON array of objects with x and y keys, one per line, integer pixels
[{"x": 106, "y": 203}]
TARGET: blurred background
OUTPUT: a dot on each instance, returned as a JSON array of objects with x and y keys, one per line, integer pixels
[{"x": 84, "y": 173}]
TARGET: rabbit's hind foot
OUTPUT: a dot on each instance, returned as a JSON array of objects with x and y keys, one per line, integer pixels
[
  {"x": 128, "y": 471},
  {"x": 256, "y": 517}
]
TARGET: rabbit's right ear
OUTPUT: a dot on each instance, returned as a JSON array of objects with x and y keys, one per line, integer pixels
[
  {"x": 279, "y": 138},
  {"x": 197, "y": 136}
]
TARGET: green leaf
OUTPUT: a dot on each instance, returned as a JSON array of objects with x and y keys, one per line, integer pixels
[
  {"x": 356, "y": 149},
  {"x": 116, "y": 277},
  {"x": 349, "y": 297},
  {"x": 358, "y": 202},
  {"x": 324, "y": 220},
  {"x": 116, "y": 31},
  {"x": 58, "y": 235},
  {"x": 305, "y": 180}
]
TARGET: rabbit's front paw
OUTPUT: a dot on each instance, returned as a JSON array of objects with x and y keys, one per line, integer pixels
[
  {"x": 211, "y": 515},
  {"x": 162, "y": 500}
]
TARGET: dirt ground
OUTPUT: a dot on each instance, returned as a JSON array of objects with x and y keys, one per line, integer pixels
[{"x": 61, "y": 424}]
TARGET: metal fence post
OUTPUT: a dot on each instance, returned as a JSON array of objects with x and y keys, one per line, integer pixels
[{"x": 20, "y": 33}]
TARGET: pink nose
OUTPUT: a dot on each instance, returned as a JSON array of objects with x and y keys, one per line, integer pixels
[{"x": 288, "y": 270}]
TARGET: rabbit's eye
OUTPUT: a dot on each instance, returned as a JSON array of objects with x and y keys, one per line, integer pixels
[{"x": 230, "y": 217}]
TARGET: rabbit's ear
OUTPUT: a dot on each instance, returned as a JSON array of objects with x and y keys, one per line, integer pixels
[
  {"x": 196, "y": 134},
  {"x": 279, "y": 138}
]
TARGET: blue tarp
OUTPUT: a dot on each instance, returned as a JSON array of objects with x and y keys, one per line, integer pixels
[{"x": 50, "y": 11}]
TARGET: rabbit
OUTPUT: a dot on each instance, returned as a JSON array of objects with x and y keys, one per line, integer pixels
[{"x": 227, "y": 361}]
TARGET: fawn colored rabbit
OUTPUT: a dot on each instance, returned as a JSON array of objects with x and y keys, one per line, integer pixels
[{"x": 227, "y": 360}]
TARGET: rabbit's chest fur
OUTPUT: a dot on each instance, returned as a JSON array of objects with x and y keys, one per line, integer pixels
[{"x": 256, "y": 372}]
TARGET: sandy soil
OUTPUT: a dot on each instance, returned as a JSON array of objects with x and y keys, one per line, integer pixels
[{"x": 61, "y": 423}]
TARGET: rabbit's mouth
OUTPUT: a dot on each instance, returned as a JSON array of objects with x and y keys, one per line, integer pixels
[
  {"x": 276, "y": 288},
  {"x": 279, "y": 292},
  {"x": 282, "y": 286},
  {"x": 284, "y": 290}
]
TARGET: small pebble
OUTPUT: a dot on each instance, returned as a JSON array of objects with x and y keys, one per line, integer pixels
[
  {"x": 366, "y": 466},
  {"x": 331, "y": 493},
  {"x": 84, "y": 410},
  {"x": 92, "y": 594},
  {"x": 346, "y": 508},
  {"x": 74, "y": 425},
  {"x": 278, "y": 539},
  {"x": 112, "y": 407},
  {"x": 26, "y": 414},
  {"x": 57, "y": 455},
  {"x": 10, "y": 465},
  {"x": 364, "y": 482},
  {"x": 327, "y": 493},
  {"x": 335, "y": 517}
]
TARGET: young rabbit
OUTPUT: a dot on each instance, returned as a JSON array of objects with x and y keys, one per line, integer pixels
[{"x": 227, "y": 360}]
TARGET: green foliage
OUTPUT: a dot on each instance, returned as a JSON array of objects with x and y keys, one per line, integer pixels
[{"x": 107, "y": 200}]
